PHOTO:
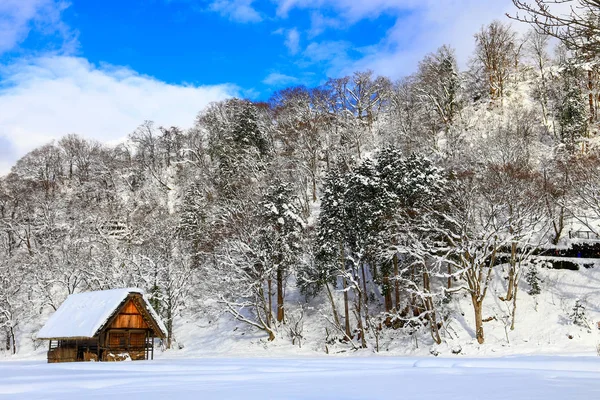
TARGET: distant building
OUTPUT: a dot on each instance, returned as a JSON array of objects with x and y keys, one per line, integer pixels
[{"x": 108, "y": 325}]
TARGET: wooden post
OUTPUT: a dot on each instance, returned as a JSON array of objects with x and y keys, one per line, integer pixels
[{"x": 147, "y": 345}]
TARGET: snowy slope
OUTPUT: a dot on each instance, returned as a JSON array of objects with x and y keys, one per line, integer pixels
[{"x": 543, "y": 325}]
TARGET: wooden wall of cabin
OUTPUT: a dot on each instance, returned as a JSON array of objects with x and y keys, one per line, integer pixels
[
  {"x": 118, "y": 343},
  {"x": 73, "y": 350},
  {"x": 129, "y": 318},
  {"x": 128, "y": 333}
]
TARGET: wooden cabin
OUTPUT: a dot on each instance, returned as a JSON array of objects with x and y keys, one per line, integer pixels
[{"x": 108, "y": 325}]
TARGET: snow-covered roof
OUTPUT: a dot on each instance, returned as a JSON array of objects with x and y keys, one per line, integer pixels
[{"x": 83, "y": 314}]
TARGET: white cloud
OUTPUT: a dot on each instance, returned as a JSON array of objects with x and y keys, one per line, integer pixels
[
  {"x": 45, "y": 98},
  {"x": 19, "y": 17},
  {"x": 432, "y": 25},
  {"x": 319, "y": 23},
  {"x": 278, "y": 79},
  {"x": 351, "y": 10},
  {"x": 292, "y": 41},
  {"x": 334, "y": 52},
  {"x": 421, "y": 27},
  {"x": 236, "y": 10}
]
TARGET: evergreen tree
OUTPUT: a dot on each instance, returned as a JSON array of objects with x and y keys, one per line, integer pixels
[
  {"x": 578, "y": 315},
  {"x": 533, "y": 280},
  {"x": 572, "y": 115},
  {"x": 281, "y": 234},
  {"x": 331, "y": 241}
]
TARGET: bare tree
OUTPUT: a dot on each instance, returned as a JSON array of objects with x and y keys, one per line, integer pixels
[
  {"x": 405, "y": 129},
  {"x": 496, "y": 53},
  {"x": 573, "y": 22},
  {"x": 537, "y": 45}
]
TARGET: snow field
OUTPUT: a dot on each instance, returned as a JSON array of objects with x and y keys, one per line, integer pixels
[{"x": 514, "y": 378}]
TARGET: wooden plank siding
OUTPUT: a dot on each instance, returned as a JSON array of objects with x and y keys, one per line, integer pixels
[
  {"x": 129, "y": 318},
  {"x": 129, "y": 321},
  {"x": 130, "y": 308}
]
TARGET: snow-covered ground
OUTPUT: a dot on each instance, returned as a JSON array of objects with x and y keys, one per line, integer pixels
[
  {"x": 544, "y": 326},
  {"x": 308, "y": 378}
]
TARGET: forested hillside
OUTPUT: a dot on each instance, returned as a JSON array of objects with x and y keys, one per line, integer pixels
[{"x": 379, "y": 200}]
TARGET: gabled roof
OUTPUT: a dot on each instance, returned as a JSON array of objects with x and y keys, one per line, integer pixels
[{"x": 82, "y": 315}]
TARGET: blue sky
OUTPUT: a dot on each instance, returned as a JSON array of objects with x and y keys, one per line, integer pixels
[
  {"x": 100, "y": 68},
  {"x": 198, "y": 43}
]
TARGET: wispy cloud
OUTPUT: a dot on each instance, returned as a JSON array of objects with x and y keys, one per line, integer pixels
[
  {"x": 320, "y": 23},
  {"x": 327, "y": 50},
  {"x": 19, "y": 17},
  {"x": 292, "y": 41},
  {"x": 351, "y": 10},
  {"x": 45, "y": 98},
  {"x": 236, "y": 10},
  {"x": 277, "y": 79},
  {"x": 331, "y": 57}
]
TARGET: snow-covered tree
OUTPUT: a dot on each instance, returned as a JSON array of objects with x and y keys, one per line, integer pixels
[
  {"x": 496, "y": 56},
  {"x": 281, "y": 233}
]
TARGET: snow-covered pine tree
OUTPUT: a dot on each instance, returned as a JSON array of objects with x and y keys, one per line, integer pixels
[
  {"x": 533, "y": 280},
  {"x": 572, "y": 114},
  {"x": 330, "y": 246},
  {"x": 282, "y": 226},
  {"x": 415, "y": 189}
]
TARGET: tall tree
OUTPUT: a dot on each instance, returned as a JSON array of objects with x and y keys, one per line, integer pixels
[
  {"x": 439, "y": 87},
  {"x": 282, "y": 226},
  {"x": 496, "y": 53}
]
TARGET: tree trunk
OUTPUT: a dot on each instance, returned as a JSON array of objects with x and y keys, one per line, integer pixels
[
  {"x": 511, "y": 272},
  {"x": 13, "y": 341},
  {"x": 346, "y": 309},
  {"x": 559, "y": 226},
  {"x": 361, "y": 328},
  {"x": 364, "y": 282},
  {"x": 280, "y": 310},
  {"x": 413, "y": 302},
  {"x": 336, "y": 317},
  {"x": 428, "y": 304},
  {"x": 345, "y": 287},
  {"x": 387, "y": 294},
  {"x": 169, "y": 328},
  {"x": 396, "y": 282},
  {"x": 591, "y": 97},
  {"x": 269, "y": 296},
  {"x": 477, "y": 307},
  {"x": 514, "y": 310},
  {"x": 449, "y": 276},
  {"x": 263, "y": 305}
]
